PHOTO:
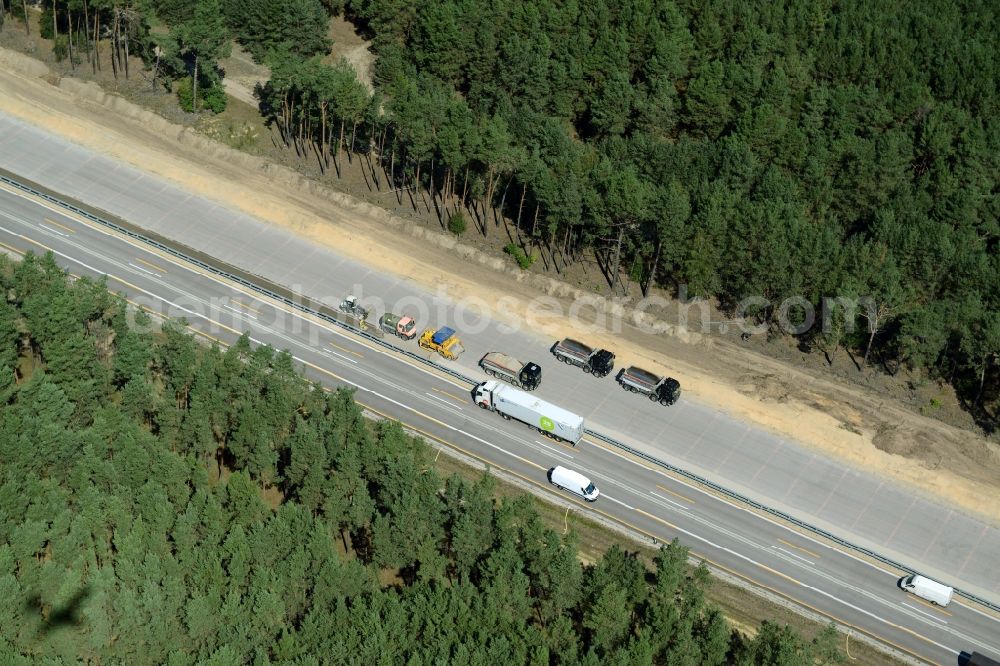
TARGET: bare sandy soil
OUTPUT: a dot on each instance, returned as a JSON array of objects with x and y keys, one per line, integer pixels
[
  {"x": 857, "y": 425},
  {"x": 243, "y": 74}
]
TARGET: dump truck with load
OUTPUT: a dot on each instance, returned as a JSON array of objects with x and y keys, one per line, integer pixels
[
  {"x": 525, "y": 376},
  {"x": 399, "y": 325},
  {"x": 443, "y": 341},
  {"x": 599, "y": 362},
  {"x": 664, "y": 390},
  {"x": 546, "y": 418}
]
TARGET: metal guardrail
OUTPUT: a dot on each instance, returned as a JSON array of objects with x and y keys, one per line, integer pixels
[{"x": 303, "y": 304}]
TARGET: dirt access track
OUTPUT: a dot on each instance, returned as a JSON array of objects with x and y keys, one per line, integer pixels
[{"x": 850, "y": 423}]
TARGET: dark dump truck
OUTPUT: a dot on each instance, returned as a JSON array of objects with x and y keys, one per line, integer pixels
[
  {"x": 598, "y": 362},
  {"x": 664, "y": 390},
  {"x": 525, "y": 376}
]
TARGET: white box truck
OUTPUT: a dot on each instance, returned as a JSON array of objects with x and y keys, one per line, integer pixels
[
  {"x": 925, "y": 588},
  {"x": 546, "y": 418}
]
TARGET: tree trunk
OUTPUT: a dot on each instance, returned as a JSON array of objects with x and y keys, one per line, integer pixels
[
  {"x": 465, "y": 185},
  {"x": 322, "y": 133},
  {"x": 194, "y": 85},
  {"x": 871, "y": 338},
  {"x": 354, "y": 132},
  {"x": 114, "y": 47},
  {"x": 156, "y": 69},
  {"x": 27, "y": 26},
  {"x": 55, "y": 26},
  {"x": 125, "y": 41},
  {"x": 86, "y": 29},
  {"x": 329, "y": 140},
  {"x": 286, "y": 119},
  {"x": 340, "y": 142},
  {"x": 618, "y": 258},
  {"x": 381, "y": 145},
  {"x": 97, "y": 41},
  {"x": 982, "y": 381},
  {"x": 430, "y": 187},
  {"x": 416, "y": 181},
  {"x": 503, "y": 201},
  {"x": 490, "y": 184},
  {"x": 69, "y": 33},
  {"x": 520, "y": 207},
  {"x": 392, "y": 176},
  {"x": 651, "y": 281}
]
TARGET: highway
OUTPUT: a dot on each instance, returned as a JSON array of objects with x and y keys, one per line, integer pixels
[
  {"x": 854, "y": 505},
  {"x": 852, "y": 591}
]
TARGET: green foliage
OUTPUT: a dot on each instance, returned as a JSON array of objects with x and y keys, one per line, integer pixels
[
  {"x": 202, "y": 39},
  {"x": 456, "y": 223},
  {"x": 211, "y": 97},
  {"x": 45, "y": 23},
  {"x": 60, "y": 48},
  {"x": 174, "y": 12},
  {"x": 171, "y": 503},
  {"x": 814, "y": 152},
  {"x": 185, "y": 95},
  {"x": 298, "y": 26},
  {"x": 523, "y": 259}
]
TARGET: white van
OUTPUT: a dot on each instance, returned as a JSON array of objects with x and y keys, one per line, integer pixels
[
  {"x": 574, "y": 482},
  {"x": 925, "y": 588}
]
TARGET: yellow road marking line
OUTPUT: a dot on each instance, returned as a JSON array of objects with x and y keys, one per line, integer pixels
[
  {"x": 61, "y": 226},
  {"x": 236, "y": 287},
  {"x": 32, "y": 240},
  {"x": 346, "y": 350},
  {"x": 210, "y": 321},
  {"x": 668, "y": 490},
  {"x": 450, "y": 395},
  {"x": 151, "y": 265},
  {"x": 762, "y": 586},
  {"x": 792, "y": 545},
  {"x": 833, "y": 617},
  {"x": 657, "y": 519},
  {"x": 12, "y": 248},
  {"x": 565, "y": 445},
  {"x": 244, "y": 305},
  {"x": 451, "y": 445}
]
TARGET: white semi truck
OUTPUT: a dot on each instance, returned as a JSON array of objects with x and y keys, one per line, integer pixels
[{"x": 546, "y": 418}]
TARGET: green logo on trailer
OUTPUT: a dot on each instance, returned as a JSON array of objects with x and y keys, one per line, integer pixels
[{"x": 546, "y": 424}]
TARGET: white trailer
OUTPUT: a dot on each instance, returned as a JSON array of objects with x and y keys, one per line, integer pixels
[{"x": 546, "y": 418}]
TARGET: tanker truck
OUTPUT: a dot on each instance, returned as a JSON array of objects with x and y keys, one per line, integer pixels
[
  {"x": 664, "y": 390},
  {"x": 599, "y": 362},
  {"x": 511, "y": 403}
]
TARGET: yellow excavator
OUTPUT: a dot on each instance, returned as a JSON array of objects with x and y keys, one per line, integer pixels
[{"x": 443, "y": 341}]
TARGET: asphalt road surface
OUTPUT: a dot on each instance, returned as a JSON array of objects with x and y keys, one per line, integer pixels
[{"x": 854, "y": 592}]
